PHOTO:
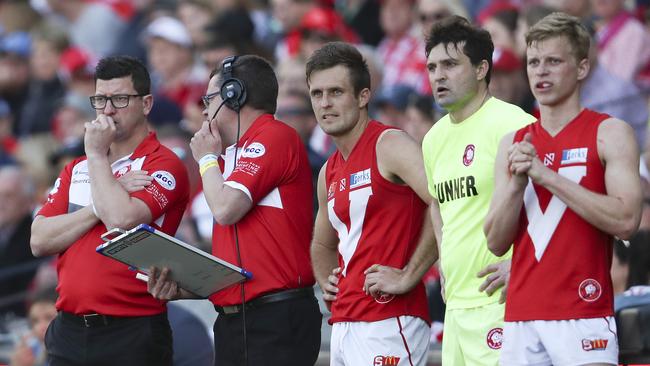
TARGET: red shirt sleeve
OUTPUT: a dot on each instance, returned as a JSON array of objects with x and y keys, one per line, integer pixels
[
  {"x": 267, "y": 161},
  {"x": 58, "y": 198},
  {"x": 170, "y": 184}
]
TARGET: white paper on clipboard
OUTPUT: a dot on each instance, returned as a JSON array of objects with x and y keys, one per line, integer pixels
[{"x": 196, "y": 271}]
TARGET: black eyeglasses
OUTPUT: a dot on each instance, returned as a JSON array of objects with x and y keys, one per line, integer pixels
[
  {"x": 208, "y": 97},
  {"x": 118, "y": 100}
]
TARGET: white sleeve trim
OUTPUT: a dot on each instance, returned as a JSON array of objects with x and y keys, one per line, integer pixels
[{"x": 240, "y": 187}]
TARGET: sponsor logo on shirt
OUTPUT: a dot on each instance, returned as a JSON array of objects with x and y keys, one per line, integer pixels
[
  {"x": 589, "y": 290},
  {"x": 549, "y": 158},
  {"x": 359, "y": 179},
  {"x": 494, "y": 338},
  {"x": 386, "y": 361},
  {"x": 571, "y": 156},
  {"x": 594, "y": 344},
  {"x": 468, "y": 155},
  {"x": 165, "y": 179},
  {"x": 254, "y": 150},
  {"x": 160, "y": 198},
  {"x": 342, "y": 185}
]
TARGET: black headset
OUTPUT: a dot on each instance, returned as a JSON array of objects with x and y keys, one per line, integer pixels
[{"x": 233, "y": 90}]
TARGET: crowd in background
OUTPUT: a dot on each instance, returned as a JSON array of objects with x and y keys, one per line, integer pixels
[{"x": 49, "y": 48}]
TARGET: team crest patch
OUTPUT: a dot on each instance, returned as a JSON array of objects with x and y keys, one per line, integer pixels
[
  {"x": 386, "y": 361},
  {"x": 589, "y": 290},
  {"x": 594, "y": 344},
  {"x": 383, "y": 298},
  {"x": 330, "y": 190},
  {"x": 468, "y": 155},
  {"x": 494, "y": 338},
  {"x": 254, "y": 150},
  {"x": 165, "y": 179}
]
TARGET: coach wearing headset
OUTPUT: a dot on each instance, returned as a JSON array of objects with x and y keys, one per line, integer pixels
[{"x": 257, "y": 182}]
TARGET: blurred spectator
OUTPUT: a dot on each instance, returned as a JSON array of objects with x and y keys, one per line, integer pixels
[
  {"x": 605, "y": 92},
  {"x": 320, "y": 26},
  {"x": 508, "y": 81},
  {"x": 288, "y": 14},
  {"x": 363, "y": 18},
  {"x": 17, "y": 16},
  {"x": 14, "y": 69},
  {"x": 430, "y": 11},
  {"x": 30, "y": 351},
  {"x": 93, "y": 26},
  {"x": 76, "y": 69},
  {"x": 390, "y": 104},
  {"x": 577, "y": 8},
  {"x": 174, "y": 73},
  {"x": 500, "y": 19},
  {"x": 291, "y": 75},
  {"x": 128, "y": 43},
  {"x": 46, "y": 90},
  {"x": 401, "y": 49},
  {"x": 16, "y": 261},
  {"x": 231, "y": 32},
  {"x": 623, "y": 42},
  {"x": 528, "y": 18},
  {"x": 8, "y": 142},
  {"x": 420, "y": 116},
  {"x": 195, "y": 15},
  {"x": 70, "y": 118}
]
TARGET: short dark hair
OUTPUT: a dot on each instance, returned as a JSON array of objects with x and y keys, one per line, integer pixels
[
  {"x": 259, "y": 80},
  {"x": 456, "y": 30},
  {"x": 339, "y": 53},
  {"x": 114, "y": 67}
]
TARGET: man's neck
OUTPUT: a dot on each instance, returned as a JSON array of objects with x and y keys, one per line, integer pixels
[
  {"x": 555, "y": 118},
  {"x": 346, "y": 143},
  {"x": 246, "y": 119},
  {"x": 474, "y": 104}
]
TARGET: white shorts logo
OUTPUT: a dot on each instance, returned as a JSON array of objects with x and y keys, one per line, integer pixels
[
  {"x": 165, "y": 179},
  {"x": 254, "y": 150}
]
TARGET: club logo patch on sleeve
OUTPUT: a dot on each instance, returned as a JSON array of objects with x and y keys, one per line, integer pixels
[
  {"x": 165, "y": 179},
  {"x": 254, "y": 150}
]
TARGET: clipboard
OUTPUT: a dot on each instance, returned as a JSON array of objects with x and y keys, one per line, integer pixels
[{"x": 195, "y": 271}]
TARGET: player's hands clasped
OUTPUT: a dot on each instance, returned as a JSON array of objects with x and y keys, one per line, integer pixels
[
  {"x": 99, "y": 135},
  {"x": 206, "y": 140},
  {"x": 523, "y": 161}
]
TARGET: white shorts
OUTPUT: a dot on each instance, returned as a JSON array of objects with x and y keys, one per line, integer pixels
[
  {"x": 400, "y": 341},
  {"x": 560, "y": 342}
]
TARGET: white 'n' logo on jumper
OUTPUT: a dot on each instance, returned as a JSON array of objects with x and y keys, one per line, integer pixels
[
  {"x": 348, "y": 240},
  {"x": 542, "y": 225}
]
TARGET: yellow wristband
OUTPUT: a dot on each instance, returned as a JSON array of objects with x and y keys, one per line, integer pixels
[{"x": 208, "y": 165}]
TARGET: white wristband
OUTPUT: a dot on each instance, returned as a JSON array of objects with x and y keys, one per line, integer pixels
[{"x": 208, "y": 158}]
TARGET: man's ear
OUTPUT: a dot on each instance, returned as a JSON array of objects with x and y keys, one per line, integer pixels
[
  {"x": 583, "y": 69},
  {"x": 147, "y": 104},
  {"x": 364, "y": 97},
  {"x": 482, "y": 69}
]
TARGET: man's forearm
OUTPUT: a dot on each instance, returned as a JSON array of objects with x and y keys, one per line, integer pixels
[{"x": 52, "y": 235}]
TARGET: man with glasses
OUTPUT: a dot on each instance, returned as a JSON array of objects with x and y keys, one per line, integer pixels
[{"x": 106, "y": 316}]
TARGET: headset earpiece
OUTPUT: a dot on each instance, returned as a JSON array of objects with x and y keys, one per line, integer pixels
[{"x": 233, "y": 91}]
